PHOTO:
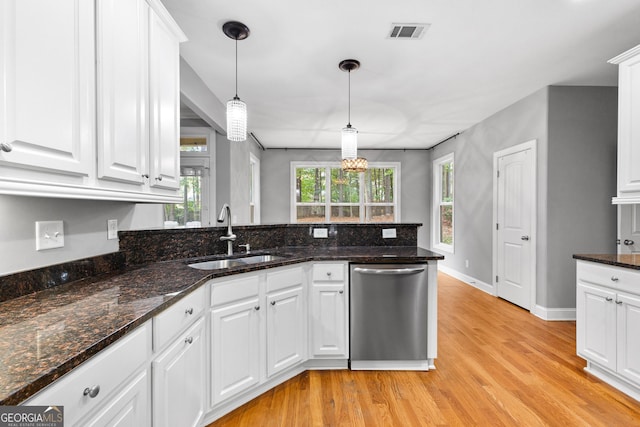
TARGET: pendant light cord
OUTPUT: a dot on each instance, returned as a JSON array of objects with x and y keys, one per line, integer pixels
[
  {"x": 236, "y": 67},
  {"x": 349, "y": 109}
]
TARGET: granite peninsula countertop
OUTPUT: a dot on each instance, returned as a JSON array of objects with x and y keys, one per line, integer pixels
[
  {"x": 46, "y": 334},
  {"x": 627, "y": 261}
]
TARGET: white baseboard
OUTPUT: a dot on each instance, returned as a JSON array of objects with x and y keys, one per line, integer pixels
[
  {"x": 545, "y": 313},
  {"x": 557, "y": 314},
  {"x": 485, "y": 287}
]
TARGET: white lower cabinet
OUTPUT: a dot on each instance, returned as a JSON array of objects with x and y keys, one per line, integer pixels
[
  {"x": 608, "y": 324},
  {"x": 286, "y": 320},
  {"x": 110, "y": 389},
  {"x": 329, "y": 313},
  {"x": 179, "y": 380},
  {"x": 235, "y": 337}
]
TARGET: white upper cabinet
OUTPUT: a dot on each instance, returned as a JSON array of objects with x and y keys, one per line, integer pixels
[
  {"x": 65, "y": 63},
  {"x": 47, "y": 92},
  {"x": 628, "y": 126}
]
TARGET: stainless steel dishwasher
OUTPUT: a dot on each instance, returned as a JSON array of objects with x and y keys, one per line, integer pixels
[{"x": 388, "y": 317}]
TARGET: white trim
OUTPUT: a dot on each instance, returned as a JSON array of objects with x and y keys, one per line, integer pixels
[
  {"x": 255, "y": 161},
  {"x": 435, "y": 213},
  {"x": 554, "y": 314},
  {"x": 469, "y": 280},
  {"x": 533, "y": 146}
]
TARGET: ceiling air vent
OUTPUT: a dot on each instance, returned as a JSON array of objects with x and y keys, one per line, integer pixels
[{"x": 408, "y": 31}]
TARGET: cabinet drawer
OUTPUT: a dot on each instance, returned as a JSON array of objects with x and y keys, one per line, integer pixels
[
  {"x": 105, "y": 372},
  {"x": 284, "y": 278},
  {"x": 328, "y": 272},
  {"x": 224, "y": 292},
  {"x": 173, "y": 320},
  {"x": 618, "y": 278}
]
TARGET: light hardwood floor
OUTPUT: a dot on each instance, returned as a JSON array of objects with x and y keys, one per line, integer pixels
[{"x": 497, "y": 365}]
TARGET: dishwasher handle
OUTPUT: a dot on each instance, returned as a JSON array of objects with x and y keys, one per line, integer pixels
[{"x": 410, "y": 270}]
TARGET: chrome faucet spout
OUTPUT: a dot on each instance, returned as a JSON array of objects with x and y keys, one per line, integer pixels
[{"x": 225, "y": 212}]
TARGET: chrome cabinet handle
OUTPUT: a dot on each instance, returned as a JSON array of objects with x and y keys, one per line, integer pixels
[
  {"x": 628, "y": 242},
  {"x": 158, "y": 178},
  {"x": 145, "y": 175},
  {"x": 189, "y": 311},
  {"x": 256, "y": 308},
  {"x": 618, "y": 302},
  {"x": 341, "y": 291},
  {"x": 614, "y": 279},
  {"x": 188, "y": 340},
  {"x": 273, "y": 303},
  {"x": 6, "y": 147},
  {"x": 91, "y": 391},
  {"x": 609, "y": 299},
  {"x": 525, "y": 238}
]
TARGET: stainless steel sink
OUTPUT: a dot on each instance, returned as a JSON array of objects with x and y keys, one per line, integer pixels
[{"x": 234, "y": 262}]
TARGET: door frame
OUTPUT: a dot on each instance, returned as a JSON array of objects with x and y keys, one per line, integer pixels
[{"x": 533, "y": 146}]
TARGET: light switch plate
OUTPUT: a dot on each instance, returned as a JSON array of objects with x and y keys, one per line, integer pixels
[
  {"x": 112, "y": 229},
  {"x": 49, "y": 235},
  {"x": 320, "y": 233},
  {"x": 388, "y": 233}
]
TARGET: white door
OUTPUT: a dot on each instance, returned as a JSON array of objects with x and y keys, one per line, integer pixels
[
  {"x": 515, "y": 216},
  {"x": 285, "y": 333},
  {"x": 629, "y": 229},
  {"x": 628, "y": 360}
]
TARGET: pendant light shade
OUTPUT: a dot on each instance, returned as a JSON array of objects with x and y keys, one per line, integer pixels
[
  {"x": 349, "y": 142},
  {"x": 350, "y": 160},
  {"x": 236, "y": 108},
  {"x": 236, "y": 120}
]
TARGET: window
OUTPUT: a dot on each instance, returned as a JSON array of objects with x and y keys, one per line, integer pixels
[
  {"x": 254, "y": 189},
  {"x": 323, "y": 192},
  {"x": 443, "y": 202}
]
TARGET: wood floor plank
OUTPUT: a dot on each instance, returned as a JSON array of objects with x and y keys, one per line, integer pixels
[{"x": 497, "y": 365}]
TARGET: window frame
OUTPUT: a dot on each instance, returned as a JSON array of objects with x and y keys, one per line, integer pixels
[
  {"x": 438, "y": 203},
  {"x": 362, "y": 204}
]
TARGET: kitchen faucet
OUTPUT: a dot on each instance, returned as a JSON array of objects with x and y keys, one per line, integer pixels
[{"x": 229, "y": 237}]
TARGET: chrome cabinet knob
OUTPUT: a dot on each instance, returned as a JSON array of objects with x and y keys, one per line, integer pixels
[
  {"x": 628, "y": 242},
  {"x": 618, "y": 302},
  {"x": 614, "y": 279},
  {"x": 328, "y": 274},
  {"x": 256, "y": 308},
  {"x": 609, "y": 299},
  {"x": 273, "y": 303},
  {"x": 188, "y": 340},
  {"x": 341, "y": 291},
  {"x": 145, "y": 175},
  {"x": 525, "y": 238},
  {"x": 6, "y": 147},
  {"x": 189, "y": 311},
  {"x": 159, "y": 178},
  {"x": 91, "y": 391}
]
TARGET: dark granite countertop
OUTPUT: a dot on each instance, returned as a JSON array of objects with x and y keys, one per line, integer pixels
[
  {"x": 46, "y": 334},
  {"x": 626, "y": 261}
]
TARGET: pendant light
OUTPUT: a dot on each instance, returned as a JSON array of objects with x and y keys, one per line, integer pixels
[
  {"x": 236, "y": 108},
  {"x": 350, "y": 160}
]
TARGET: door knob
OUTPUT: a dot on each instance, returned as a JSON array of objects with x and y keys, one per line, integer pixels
[
  {"x": 526, "y": 238},
  {"x": 628, "y": 242}
]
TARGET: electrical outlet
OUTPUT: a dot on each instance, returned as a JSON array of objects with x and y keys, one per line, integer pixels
[
  {"x": 49, "y": 235},
  {"x": 388, "y": 233},
  {"x": 320, "y": 233},
  {"x": 112, "y": 229}
]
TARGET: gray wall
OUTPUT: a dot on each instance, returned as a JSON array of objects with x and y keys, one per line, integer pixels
[
  {"x": 582, "y": 180},
  {"x": 415, "y": 183},
  {"x": 575, "y": 129}
]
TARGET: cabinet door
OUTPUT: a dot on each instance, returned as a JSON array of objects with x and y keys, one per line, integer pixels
[
  {"x": 328, "y": 320},
  {"x": 122, "y": 48},
  {"x": 164, "y": 98},
  {"x": 46, "y": 70},
  {"x": 596, "y": 324},
  {"x": 130, "y": 408},
  {"x": 285, "y": 330},
  {"x": 629, "y": 337},
  {"x": 629, "y": 127},
  {"x": 235, "y": 348},
  {"x": 178, "y": 381}
]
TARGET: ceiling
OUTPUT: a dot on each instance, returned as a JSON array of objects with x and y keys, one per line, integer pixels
[{"x": 476, "y": 58}]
